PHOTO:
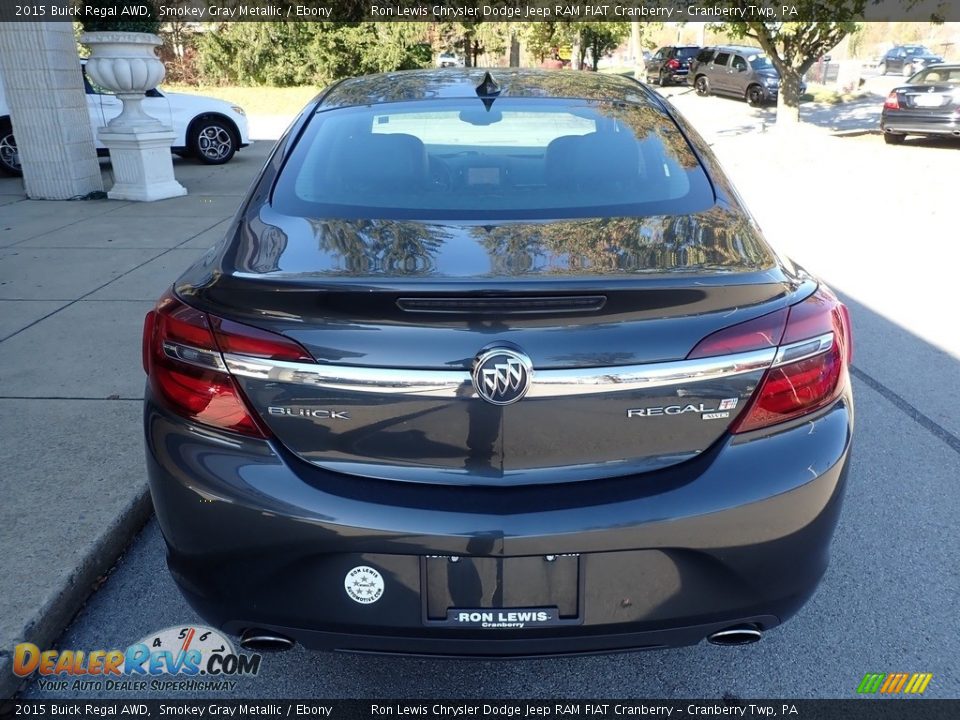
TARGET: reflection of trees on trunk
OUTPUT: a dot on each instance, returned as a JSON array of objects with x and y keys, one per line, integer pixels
[
  {"x": 261, "y": 249},
  {"x": 716, "y": 239},
  {"x": 360, "y": 247}
]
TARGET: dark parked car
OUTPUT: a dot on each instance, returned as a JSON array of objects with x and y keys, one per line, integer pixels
[
  {"x": 929, "y": 104},
  {"x": 496, "y": 366},
  {"x": 670, "y": 64},
  {"x": 739, "y": 71},
  {"x": 907, "y": 59}
]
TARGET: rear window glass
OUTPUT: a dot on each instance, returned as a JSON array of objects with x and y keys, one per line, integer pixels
[
  {"x": 687, "y": 53},
  {"x": 937, "y": 76},
  {"x": 520, "y": 159},
  {"x": 721, "y": 59}
]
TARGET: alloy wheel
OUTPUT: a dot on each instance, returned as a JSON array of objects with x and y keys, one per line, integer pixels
[
  {"x": 214, "y": 142},
  {"x": 9, "y": 155}
]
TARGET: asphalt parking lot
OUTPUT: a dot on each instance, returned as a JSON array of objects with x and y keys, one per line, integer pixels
[{"x": 891, "y": 598}]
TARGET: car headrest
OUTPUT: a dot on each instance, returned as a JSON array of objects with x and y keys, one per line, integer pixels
[
  {"x": 383, "y": 161},
  {"x": 598, "y": 158}
]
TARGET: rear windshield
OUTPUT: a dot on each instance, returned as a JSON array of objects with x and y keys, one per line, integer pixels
[
  {"x": 937, "y": 76},
  {"x": 687, "y": 53},
  {"x": 519, "y": 159}
]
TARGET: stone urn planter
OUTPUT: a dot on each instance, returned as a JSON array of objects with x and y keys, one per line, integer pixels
[{"x": 125, "y": 63}]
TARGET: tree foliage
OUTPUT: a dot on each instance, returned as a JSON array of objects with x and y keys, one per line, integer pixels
[
  {"x": 599, "y": 38},
  {"x": 286, "y": 54}
]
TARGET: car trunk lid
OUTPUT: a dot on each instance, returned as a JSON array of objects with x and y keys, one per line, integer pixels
[{"x": 397, "y": 313}]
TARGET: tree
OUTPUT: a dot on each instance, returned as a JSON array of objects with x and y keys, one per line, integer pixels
[
  {"x": 793, "y": 47},
  {"x": 603, "y": 37},
  {"x": 476, "y": 38},
  {"x": 540, "y": 38},
  {"x": 308, "y": 53},
  {"x": 597, "y": 37}
]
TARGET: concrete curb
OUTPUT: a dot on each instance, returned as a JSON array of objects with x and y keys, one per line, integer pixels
[{"x": 52, "y": 617}]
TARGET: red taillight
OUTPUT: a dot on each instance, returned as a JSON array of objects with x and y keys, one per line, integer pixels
[
  {"x": 186, "y": 369},
  {"x": 673, "y": 64},
  {"x": 758, "y": 334},
  {"x": 796, "y": 388},
  {"x": 233, "y": 337},
  {"x": 892, "y": 101}
]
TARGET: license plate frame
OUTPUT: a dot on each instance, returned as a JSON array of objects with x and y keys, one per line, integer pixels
[
  {"x": 504, "y": 618},
  {"x": 493, "y": 594}
]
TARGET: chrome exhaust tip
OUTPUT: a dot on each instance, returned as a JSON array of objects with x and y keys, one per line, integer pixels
[
  {"x": 260, "y": 640},
  {"x": 737, "y": 635}
]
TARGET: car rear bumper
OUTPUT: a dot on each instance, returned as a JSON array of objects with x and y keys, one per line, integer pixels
[
  {"x": 257, "y": 538},
  {"x": 920, "y": 123}
]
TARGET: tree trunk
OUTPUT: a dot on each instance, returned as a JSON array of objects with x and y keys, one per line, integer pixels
[
  {"x": 639, "y": 67},
  {"x": 788, "y": 101},
  {"x": 514, "y": 50}
]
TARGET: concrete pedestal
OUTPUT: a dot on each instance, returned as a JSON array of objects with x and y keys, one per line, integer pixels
[
  {"x": 142, "y": 165},
  {"x": 44, "y": 88}
]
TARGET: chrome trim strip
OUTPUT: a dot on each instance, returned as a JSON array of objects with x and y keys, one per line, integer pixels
[
  {"x": 803, "y": 349},
  {"x": 588, "y": 381},
  {"x": 458, "y": 383},
  {"x": 383, "y": 381},
  {"x": 206, "y": 359}
]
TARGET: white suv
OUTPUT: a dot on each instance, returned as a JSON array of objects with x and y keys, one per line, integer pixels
[{"x": 208, "y": 129}]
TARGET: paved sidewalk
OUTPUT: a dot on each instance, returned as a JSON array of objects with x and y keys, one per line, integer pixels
[{"x": 76, "y": 279}]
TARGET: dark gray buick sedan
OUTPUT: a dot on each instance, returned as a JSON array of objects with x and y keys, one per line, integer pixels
[{"x": 496, "y": 365}]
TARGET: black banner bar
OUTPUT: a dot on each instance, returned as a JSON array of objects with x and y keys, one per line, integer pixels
[
  {"x": 477, "y": 10},
  {"x": 873, "y": 708}
]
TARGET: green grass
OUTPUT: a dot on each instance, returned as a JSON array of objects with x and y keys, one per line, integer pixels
[
  {"x": 618, "y": 70},
  {"x": 254, "y": 100},
  {"x": 820, "y": 94}
]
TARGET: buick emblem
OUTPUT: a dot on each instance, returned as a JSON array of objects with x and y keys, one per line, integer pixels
[{"x": 502, "y": 376}]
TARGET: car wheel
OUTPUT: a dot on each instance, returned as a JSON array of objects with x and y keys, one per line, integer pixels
[
  {"x": 892, "y": 139},
  {"x": 9, "y": 156},
  {"x": 702, "y": 86},
  {"x": 882, "y": 68},
  {"x": 662, "y": 80},
  {"x": 907, "y": 69},
  {"x": 755, "y": 96},
  {"x": 213, "y": 141}
]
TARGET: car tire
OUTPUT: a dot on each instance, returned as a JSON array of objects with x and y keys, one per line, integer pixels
[
  {"x": 754, "y": 96},
  {"x": 212, "y": 141},
  {"x": 907, "y": 70},
  {"x": 9, "y": 157},
  {"x": 893, "y": 139},
  {"x": 881, "y": 68},
  {"x": 702, "y": 86},
  {"x": 662, "y": 80}
]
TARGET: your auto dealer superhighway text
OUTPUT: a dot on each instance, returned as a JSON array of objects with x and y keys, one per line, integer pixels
[{"x": 458, "y": 710}]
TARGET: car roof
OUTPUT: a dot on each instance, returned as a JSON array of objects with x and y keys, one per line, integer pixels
[
  {"x": 738, "y": 48},
  {"x": 455, "y": 83}
]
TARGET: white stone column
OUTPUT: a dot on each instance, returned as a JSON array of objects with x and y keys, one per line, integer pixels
[{"x": 41, "y": 76}]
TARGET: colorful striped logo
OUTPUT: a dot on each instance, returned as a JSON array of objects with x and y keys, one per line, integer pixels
[{"x": 895, "y": 683}]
